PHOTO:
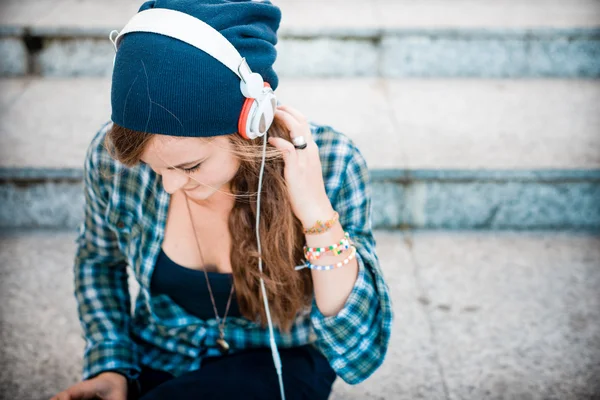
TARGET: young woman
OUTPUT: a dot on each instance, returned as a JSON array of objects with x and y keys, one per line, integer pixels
[{"x": 171, "y": 190}]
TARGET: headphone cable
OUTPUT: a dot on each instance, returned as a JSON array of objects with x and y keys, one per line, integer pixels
[{"x": 274, "y": 351}]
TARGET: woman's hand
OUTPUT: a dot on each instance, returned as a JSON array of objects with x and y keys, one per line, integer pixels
[
  {"x": 302, "y": 172},
  {"x": 105, "y": 386}
]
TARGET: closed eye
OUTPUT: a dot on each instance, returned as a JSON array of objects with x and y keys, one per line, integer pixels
[{"x": 193, "y": 169}]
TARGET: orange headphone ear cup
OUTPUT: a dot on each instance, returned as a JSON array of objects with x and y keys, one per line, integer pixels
[{"x": 243, "y": 121}]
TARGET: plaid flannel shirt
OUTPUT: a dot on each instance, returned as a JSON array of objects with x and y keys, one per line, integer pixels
[{"x": 125, "y": 215}]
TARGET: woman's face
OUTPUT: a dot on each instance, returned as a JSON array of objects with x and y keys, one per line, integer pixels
[{"x": 197, "y": 166}]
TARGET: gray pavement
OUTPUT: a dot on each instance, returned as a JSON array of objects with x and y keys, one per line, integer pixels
[{"x": 479, "y": 315}]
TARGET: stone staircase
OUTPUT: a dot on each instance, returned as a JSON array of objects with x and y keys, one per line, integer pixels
[
  {"x": 490, "y": 104},
  {"x": 472, "y": 115}
]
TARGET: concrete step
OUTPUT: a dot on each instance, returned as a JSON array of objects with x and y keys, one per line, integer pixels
[
  {"x": 397, "y": 123},
  {"x": 443, "y": 153},
  {"x": 387, "y": 38},
  {"x": 484, "y": 316}
]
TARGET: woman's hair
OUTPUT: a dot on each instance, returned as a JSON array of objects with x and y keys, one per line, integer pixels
[{"x": 281, "y": 234}]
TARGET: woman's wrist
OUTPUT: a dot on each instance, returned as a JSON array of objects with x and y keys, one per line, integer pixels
[
  {"x": 317, "y": 212},
  {"x": 133, "y": 384}
]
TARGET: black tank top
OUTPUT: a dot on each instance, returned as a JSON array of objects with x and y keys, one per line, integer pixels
[{"x": 188, "y": 288}]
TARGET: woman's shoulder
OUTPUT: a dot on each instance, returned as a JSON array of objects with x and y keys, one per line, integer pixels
[
  {"x": 97, "y": 156},
  {"x": 338, "y": 153},
  {"x": 330, "y": 139},
  {"x": 108, "y": 174}
]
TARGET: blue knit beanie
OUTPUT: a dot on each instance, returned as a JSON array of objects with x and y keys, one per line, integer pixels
[{"x": 165, "y": 86}]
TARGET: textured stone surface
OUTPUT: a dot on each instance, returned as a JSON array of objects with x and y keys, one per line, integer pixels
[
  {"x": 326, "y": 57},
  {"x": 13, "y": 57},
  {"x": 400, "y": 123},
  {"x": 357, "y": 107},
  {"x": 492, "y": 205},
  {"x": 489, "y": 124},
  {"x": 46, "y": 205},
  {"x": 30, "y": 12},
  {"x": 479, "y": 54},
  {"x": 484, "y": 204},
  {"x": 489, "y": 14},
  {"x": 42, "y": 345},
  {"x": 515, "y": 316},
  {"x": 75, "y": 57},
  {"x": 477, "y": 316},
  {"x": 355, "y": 38},
  {"x": 388, "y": 204},
  {"x": 11, "y": 90},
  {"x": 51, "y": 124},
  {"x": 41, "y": 112},
  {"x": 410, "y": 370},
  {"x": 338, "y": 14},
  {"x": 431, "y": 204},
  {"x": 422, "y": 53}
]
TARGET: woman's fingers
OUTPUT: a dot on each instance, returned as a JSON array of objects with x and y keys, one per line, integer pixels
[
  {"x": 286, "y": 147},
  {"x": 297, "y": 114},
  {"x": 100, "y": 387},
  {"x": 81, "y": 391},
  {"x": 288, "y": 120},
  {"x": 300, "y": 121}
]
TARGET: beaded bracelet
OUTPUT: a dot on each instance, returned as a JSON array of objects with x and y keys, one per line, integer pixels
[
  {"x": 320, "y": 226},
  {"x": 337, "y": 251},
  {"x": 313, "y": 253},
  {"x": 328, "y": 267}
]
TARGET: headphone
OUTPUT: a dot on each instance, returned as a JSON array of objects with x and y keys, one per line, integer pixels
[
  {"x": 259, "y": 107},
  {"x": 258, "y": 111}
]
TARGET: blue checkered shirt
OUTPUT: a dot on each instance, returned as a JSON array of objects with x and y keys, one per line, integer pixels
[{"x": 125, "y": 216}]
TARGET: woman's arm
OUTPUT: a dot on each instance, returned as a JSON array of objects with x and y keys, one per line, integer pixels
[
  {"x": 332, "y": 287},
  {"x": 355, "y": 338},
  {"x": 100, "y": 278}
]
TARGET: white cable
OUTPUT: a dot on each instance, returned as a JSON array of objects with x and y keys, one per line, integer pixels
[{"x": 274, "y": 351}]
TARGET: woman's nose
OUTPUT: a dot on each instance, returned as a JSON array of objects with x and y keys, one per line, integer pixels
[{"x": 173, "y": 180}]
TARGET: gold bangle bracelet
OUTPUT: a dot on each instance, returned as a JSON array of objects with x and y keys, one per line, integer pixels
[{"x": 320, "y": 226}]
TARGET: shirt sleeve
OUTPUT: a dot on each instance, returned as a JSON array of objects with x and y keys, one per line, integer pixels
[
  {"x": 100, "y": 284},
  {"x": 355, "y": 340}
]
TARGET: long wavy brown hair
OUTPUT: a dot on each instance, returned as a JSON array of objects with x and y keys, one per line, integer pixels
[{"x": 288, "y": 291}]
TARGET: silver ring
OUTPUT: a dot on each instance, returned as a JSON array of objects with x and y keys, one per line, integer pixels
[{"x": 299, "y": 142}]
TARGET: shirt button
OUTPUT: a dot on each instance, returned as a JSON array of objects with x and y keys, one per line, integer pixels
[{"x": 120, "y": 225}]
